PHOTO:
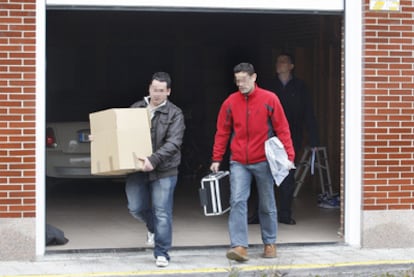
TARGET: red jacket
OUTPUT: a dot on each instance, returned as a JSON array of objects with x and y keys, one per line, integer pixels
[{"x": 249, "y": 121}]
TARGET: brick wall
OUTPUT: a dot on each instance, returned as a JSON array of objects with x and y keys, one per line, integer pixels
[
  {"x": 388, "y": 99},
  {"x": 17, "y": 108},
  {"x": 388, "y": 112}
]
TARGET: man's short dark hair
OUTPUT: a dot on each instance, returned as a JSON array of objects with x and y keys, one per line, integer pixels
[
  {"x": 162, "y": 77},
  {"x": 244, "y": 67},
  {"x": 289, "y": 55}
]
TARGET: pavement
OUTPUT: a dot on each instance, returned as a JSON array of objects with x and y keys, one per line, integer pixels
[{"x": 292, "y": 260}]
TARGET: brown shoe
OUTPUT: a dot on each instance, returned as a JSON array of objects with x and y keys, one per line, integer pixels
[
  {"x": 269, "y": 251},
  {"x": 238, "y": 253}
]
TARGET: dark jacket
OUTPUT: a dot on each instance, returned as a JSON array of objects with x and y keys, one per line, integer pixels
[
  {"x": 297, "y": 104},
  {"x": 167, "y": 131},
  {"x": 249, "y": 121}
]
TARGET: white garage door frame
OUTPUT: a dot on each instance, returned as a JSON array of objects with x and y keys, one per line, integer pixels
[
  {"x": 315, "y": 5},
  {"x": 353, "y": 87}
]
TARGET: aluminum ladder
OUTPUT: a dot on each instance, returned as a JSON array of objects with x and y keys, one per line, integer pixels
[{"x": 319, "y": 158}]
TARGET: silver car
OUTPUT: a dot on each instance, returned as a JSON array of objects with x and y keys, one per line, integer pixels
[{"x": 68, "y": 152}]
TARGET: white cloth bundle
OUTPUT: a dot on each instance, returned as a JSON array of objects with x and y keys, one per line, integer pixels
[{"x": 278, "y": 159}]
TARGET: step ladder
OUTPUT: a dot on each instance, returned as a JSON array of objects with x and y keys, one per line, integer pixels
[{"x": 319, "y": 159}]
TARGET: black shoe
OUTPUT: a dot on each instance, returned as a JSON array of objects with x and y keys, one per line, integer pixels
[{"x": 289, "y": 221}]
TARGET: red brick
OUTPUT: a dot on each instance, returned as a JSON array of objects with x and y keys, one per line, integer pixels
[
  {"x": 375, "y": 182},
  {"x": 368, "y": 201},
  {"x": 22, "y": 55},
  {"x": 22, "y": 152},
  {"x": 387, "y": 201},
  {"x": 400, "y": 182},
  {"x": 375, "y": 195},
  {"x": 407, "y": 62},
  {"x": 375, "y": 156},
  {"x": 374, "y": 207},
  {"x": 388, "y": 85},
  {"x": 31, "y": 173},
  {"x": 407, "y": 200},
  {"x": 10, "y": 187},
  {"x": 401, "y": 66},
  {"x": 394, "y": 124},
  {"x": 22, "y": 97},
  {"x": 399, "y": 207},
  {"x": 21, "y": 138},
  {"x": 409, "y": 175},
  {"x": 388, "y": 137},
  {"x": 13, "y": 201},
  {"x": 377, "y": 65},
  {"x": 400, "y": 194},
  {"x": 29, "y": 214},
  {"x": 22, "y": 208},
  {"x": 10, "y": 160},
  {"x": 23, "y": 194},
  {"x": 400, "y": 156},
  {"x": 10, "y": 215},
  {"x": 22, "y": 68},
  {"x": 22, "y": 13},
  {"x": 400, "y": 143},
  {"x": 376, "y": 79},
  {"x": 22, "y": 1},
  {"x": 29, "y": 201},
  {"x": 10, "y": 173},
  {"x": 10, "y": 145},
  {"x": 22, "y": 83},
  {"x": 401, "y": 130},
  {"x": 376, "y": 53},
  {"x": 400, "y": 28},
  {"x": 399, "y": 105},
  {"x": 29, "y": 159},
  {"x": 388, "y": 188}
]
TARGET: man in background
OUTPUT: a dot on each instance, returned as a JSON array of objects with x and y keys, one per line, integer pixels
[{"x": 297, "y": 104}]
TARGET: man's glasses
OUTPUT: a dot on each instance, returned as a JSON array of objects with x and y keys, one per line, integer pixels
[
  {"x": 242, "y": 81},
  {"x": 158, "y": 91}
]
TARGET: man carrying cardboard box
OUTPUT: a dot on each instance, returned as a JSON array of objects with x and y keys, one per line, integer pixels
[{"x": 150, "y": 192}]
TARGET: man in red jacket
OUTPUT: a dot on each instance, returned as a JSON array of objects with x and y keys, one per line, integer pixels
[{"x": 249, "y": 117}]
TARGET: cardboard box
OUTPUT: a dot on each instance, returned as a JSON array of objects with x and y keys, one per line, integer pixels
[
  {"x": 215, "y": 193},
  {"x": 120, "y": 137}
]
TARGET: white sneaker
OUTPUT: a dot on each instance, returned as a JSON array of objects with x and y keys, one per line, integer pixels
[
  {"x": 161, "y": 261},
  {"x": 150, "y": 239}
]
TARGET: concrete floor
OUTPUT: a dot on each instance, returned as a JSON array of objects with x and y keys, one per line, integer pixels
[{"x": 94, "y": 215}]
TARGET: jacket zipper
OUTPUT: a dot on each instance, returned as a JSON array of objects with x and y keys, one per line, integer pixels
[{"x": 247, "y": 129}]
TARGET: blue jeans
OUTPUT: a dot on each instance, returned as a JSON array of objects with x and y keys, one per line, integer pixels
[
  {"x": 240, "y": 182},
  {"x": 152, "y": 203}
]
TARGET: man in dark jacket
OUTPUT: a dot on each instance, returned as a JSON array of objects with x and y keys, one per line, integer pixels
[
  {"x": 150, "y": 192},
  {"x": 247, "y": 118},
  {"x": 297, "y": 105}
]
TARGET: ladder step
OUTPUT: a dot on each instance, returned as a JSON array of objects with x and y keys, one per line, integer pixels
[{"x": 323, "y": 169}]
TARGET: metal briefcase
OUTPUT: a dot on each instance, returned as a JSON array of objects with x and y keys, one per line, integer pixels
[{"x": 215, "y": 193}]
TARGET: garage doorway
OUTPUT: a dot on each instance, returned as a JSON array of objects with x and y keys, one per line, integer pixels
[{"x": 98, "y": 59}]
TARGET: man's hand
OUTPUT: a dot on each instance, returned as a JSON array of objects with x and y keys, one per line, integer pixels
[
  {"x": 147, "y": 166},
  {"x": 215, "y": 167}
]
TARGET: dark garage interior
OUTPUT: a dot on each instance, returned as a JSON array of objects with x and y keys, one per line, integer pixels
[{"x": 99, "y": 59}]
